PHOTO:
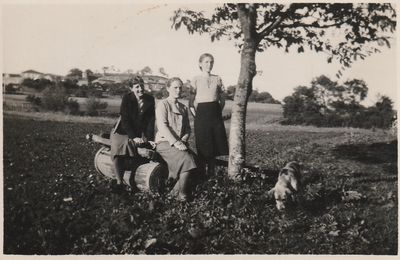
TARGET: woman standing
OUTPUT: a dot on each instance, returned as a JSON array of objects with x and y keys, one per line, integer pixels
[
  {"x": 134, "y": 127},
  {"x": 172, "y": 118},
  {"x": 206, "y": 104}
]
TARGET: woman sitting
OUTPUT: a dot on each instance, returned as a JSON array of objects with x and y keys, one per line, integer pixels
[
  {"x": 134, "y": 128},
  {"x": 173, "y": 126}
]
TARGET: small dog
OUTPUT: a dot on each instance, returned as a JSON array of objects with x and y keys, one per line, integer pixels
[{"x": 287, "y": 186}]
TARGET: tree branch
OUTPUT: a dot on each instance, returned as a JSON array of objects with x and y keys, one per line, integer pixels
[
  {"x": 313, "y": 25},
  {"x": 269, "y": 29}
]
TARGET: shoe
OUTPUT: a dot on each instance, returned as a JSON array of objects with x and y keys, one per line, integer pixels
[
  {"x": 116, "y": 188},
  {"x": 184, "y": 198}
]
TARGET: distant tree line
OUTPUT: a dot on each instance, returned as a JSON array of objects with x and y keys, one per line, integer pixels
[
  {"x": 256, "y": 96},
  {"x": 55, "y": 98},
  {"x": 57, "y": 95},
  {"x": 328, "y": 103},
  {"x": 70, "y": 84}
]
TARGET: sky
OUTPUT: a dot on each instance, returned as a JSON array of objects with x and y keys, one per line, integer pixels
[{"x": 54, "y": 38}]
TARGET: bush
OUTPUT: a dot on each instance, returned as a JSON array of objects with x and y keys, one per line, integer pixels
[
  {"x": 95, "y": 92},
  {"x": 327, "y": 103},
  {"x": 9, "y": 89},
  {"x": 162, "y": 93},
  {"x": 54, "y": 98},
  {"x": 70, "y": 85},
  {"x": 38, "y": 84},
  {"x": 81, "y": 93},
  {"x": 72, "y": 107},
  {"x": 34, "y": 100},
  {"x": 262, "y": 97},
  {"x": 117, "y": 89},
  {"x": 94, "y": 105}
]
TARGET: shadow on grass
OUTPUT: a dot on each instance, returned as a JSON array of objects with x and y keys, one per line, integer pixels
[
  {"x": 317, "y": 203},
  {"x": 252, "y": 173},
  {"x": 375, "y": 153}
]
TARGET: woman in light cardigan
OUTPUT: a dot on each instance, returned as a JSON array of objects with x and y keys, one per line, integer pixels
[{"x": 172, "y": 119}]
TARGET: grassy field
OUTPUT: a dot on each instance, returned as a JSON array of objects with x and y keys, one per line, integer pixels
[{"x": 56, "y": 203}]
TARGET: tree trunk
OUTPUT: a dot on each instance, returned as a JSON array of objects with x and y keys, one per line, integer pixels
[{"x": 237, "y": 137}]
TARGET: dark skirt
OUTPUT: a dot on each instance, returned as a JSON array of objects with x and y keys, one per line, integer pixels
[
  {"x": 210, "y": 131},
  {"x": 120, "y": 146},
  {"x": 178, "y": 161}
]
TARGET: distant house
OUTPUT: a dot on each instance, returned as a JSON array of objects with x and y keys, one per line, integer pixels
[
  {"x": 11, "y": 79},
  {"x": 53, "y": 77},
  {"x": 114, "y": 78},
  {"x": 152, "y": 82},
  {"x": 82, "y": 82},
  {"x": 14, "y": 79},
  {"x": 33, "y": 74}
]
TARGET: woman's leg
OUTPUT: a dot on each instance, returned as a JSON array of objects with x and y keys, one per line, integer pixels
[
  {"x": 182, "y": 188},
  {"x": 211, "y": 167},
  {"x": 201, "y": 164},
  {"x": 118, "y": 163},
  {"x": 184, "y": 185}
]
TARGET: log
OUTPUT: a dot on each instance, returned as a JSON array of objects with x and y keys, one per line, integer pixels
[{"x": 99, "y": 139}]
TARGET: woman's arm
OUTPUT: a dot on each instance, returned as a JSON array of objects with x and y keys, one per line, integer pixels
[
  {"x": 192, "y": 97},
  {"x": 186, "y": 126},
  {"x": 126, "y": 118},
  {"x": 151, "y": 114},
  {"x": 221, "y": 94}
]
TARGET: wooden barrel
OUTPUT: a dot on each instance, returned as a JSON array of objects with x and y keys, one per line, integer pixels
[
  {"x": 103, "y": 163},
  {"x": 149, "y": 176}
]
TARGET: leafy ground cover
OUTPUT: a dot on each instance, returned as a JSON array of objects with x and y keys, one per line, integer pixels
[{"x": 56, "y": 203}]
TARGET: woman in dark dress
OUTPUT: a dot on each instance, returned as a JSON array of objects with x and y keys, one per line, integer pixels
[
  {"x": 206, "y": 104},
  {"x": 134, "y": 127}
]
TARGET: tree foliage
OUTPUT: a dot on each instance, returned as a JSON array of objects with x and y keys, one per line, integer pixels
[
  {"x": 256, "y": 96},
  {"x": 230, "y": 92},
  {"x": 162, "y": 72},
  {"x": 90, "y": 75},
  {"x": 94, "y": 105},
  {"x": 145, "y": 71},
  {"x": 328, "y": 103},
  {"x": 301, "y": 26},
  {"x": 75, "y": 73},
  {"x": 381, "y": 115},
  {"x": 54, "y": 98},
  {"x": 262, "y": 97},
  {"x": 37, "y": 84}
]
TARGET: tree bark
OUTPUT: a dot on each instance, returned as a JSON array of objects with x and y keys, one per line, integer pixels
[{"x": 237, "y": 137}]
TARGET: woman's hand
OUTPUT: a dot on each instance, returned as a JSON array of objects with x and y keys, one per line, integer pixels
[
  {"x": 138, "y": 141},
  {"x": 153, "y": 145},
  {"x": 185, "y": 139},
  {"x": 193, "y": 111},
  {"x": 180, "y": 146}
]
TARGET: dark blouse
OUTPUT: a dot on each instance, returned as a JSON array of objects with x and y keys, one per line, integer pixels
[{"x": 131, "y": 122}]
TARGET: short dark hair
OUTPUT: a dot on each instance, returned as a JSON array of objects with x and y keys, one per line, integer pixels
[
  {"x": 136, "y": 80},
  {"x": 169, "y": 82}
]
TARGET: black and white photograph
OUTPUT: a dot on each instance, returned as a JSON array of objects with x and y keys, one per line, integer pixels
[{"x": 134, "y": 128}]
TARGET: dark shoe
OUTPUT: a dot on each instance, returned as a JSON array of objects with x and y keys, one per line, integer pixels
[
  {"x": 116, "y": 188},
  {"x": 184, "y": 198}
]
